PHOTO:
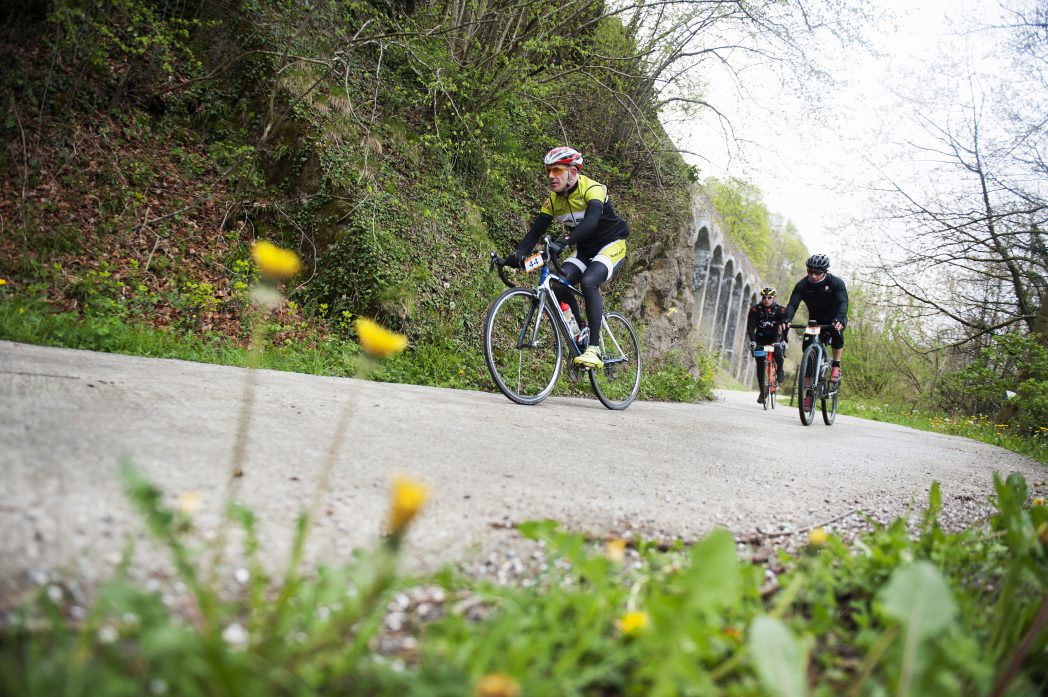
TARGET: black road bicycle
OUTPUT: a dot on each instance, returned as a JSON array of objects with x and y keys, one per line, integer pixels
[
  {"x": 525, "y": 334},
  {"x": 813, "y": 380}
]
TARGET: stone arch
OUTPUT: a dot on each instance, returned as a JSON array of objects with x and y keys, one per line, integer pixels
[
  {"x": 712, "y": 293},
  {"x": 703, "y": 256},
  {"x": 723, "y": 306},
  {"x": 731, "y": 329}
]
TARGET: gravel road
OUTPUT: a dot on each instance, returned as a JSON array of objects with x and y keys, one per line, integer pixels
[{"x": 68, "y": 417}]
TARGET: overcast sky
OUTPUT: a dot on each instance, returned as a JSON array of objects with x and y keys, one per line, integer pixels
[{"x": 811, "y": 171}]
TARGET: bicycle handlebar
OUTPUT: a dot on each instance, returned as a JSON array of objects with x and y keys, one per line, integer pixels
[{"x": 498, "y": 264}]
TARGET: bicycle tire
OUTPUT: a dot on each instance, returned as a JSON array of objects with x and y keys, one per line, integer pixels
[
  {"x": 769, "y": 381},
  {"x": 807, "y": 387},
  {"x": 525, "y": 374},
  {"x": 618, "y": 382},
  {"x": 829, "y": 415}
]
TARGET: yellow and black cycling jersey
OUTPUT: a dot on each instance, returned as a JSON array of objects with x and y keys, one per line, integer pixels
[{"x": 587, "y": 215}]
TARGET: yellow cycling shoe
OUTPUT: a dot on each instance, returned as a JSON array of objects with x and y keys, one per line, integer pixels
[{"x": 590, "y": 358}]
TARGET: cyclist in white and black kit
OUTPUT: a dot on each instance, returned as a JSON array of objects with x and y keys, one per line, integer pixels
[{"x": 826, "y": 298}]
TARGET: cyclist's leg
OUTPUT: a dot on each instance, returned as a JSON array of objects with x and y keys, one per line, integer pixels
[
  {"x": 599, "y": 270},
  {"x": 780, "y": 361},
  {"x": 761, "y": 377},
  {"x": 761, "y": 370},
  {"x": 837, "y": 344},
  {"x": 572, "y": 274}
]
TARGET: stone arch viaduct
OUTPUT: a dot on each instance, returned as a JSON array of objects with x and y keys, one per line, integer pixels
[{"x": 724, "y": 284}]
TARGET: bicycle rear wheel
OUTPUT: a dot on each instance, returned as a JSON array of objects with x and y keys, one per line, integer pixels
[
  {"x": 807, "y": 387},
  {"x": 522, "y": 347},
  {"x": 829, "y": 411},
  {"x": 618, "y": 382}
]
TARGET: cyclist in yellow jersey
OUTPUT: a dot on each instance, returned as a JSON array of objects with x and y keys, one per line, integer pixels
[{"x": 582, "y": 205}]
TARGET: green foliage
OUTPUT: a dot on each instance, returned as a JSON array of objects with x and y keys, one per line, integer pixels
[
  {"x": 772, "y": 245},
  {"x": 666, "y": 379},
  {"x": 1012, "y": 363},
  {"x": 923, "y": 611}
]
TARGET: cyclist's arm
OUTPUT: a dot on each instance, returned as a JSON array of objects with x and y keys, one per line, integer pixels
[
  {"x": 588, "y": 225},
  {"x": 751, "y": 323},
  {"x": 793, "y": 304},
  {"x": 538, "y": 227},
  {"x": 842, "y": 303}
]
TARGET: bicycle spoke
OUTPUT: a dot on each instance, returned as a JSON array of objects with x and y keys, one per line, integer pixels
[
  {"x": 522, "y": 347},
  {"x": 618, "y": 382}
]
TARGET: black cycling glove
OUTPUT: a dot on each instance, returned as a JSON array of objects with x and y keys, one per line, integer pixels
[
  {"x": 556, "y": 246},
  {"x": 512, "y": 260}
]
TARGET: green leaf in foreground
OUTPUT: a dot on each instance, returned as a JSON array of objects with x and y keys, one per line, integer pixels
[{"x": 780, "y": 659}]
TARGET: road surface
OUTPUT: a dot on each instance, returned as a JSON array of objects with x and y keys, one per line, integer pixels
[{"x": 67, "y": 418}]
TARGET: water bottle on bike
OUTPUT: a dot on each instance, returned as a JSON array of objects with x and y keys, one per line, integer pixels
[{"x": 569, "y": 317}]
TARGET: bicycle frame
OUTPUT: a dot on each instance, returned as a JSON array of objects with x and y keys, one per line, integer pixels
[
  {"x": 546, "y": 295},
  {"x": 821, "y": 388}
]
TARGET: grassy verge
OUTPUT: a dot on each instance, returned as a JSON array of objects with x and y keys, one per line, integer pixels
[
  {"x": 444, "y": 362},
  {"x": 980, "y": 428}
]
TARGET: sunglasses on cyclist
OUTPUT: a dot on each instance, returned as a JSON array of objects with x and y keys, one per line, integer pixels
[
  {"x": 815, "y": 272},
  {"x": 557, "y": 170}
]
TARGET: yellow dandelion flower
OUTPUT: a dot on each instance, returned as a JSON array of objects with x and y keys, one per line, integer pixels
[
  {"x": 377, "y": 341},
  {"x": 189, "y": 502},
  {"x": 633, "y": 623},
  {"x": 818, "y": 537},
  {"x": 1039, "y": 501},
  {"x": 275, "y": 261},
  {"x": 409, "y": 496},
  {"x": 21, "y": 310},
  {"x": 497, "y": 685},
  {"x": 616, "y": 550},
  {"x": 3, "y": 281}
]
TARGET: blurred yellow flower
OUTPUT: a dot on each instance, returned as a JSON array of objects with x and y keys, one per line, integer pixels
[
  {"x": 733, "y": 633},
  {"x": 189, "y": 502},
  {"x": 616, "y": 550},
  {"x": 409, "y": 496},
  {"x": 377, "y": 341},
  {"x": 633, "y": 623},
  {"x": 275, "y": 261},
  {"x": 3, "y": 281},
  {"x": 818, "y": 537},
  {"x": 497, "y": 685},
  {"x": 1039, "y": 501}
]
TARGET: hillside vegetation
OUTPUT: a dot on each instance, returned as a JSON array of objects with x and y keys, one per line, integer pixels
[{"x": 393, "y": 146}]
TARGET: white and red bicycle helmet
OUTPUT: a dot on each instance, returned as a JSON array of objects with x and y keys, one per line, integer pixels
[{"x": 563, "y": 155}]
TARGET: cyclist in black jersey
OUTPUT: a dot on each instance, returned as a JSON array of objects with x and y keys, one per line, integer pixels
[
  {"x": 763, "y": 327},
  {"x": 826, "y": 298},
  {"x": 582, "y": 205}
]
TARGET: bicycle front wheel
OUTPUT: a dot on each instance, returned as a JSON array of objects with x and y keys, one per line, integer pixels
[
  {"x": 807, "y": 387},
  {"x": 829, "y": 406},
  {"x": 522, "y": 346},
  {"x": 618, "y": 382}
]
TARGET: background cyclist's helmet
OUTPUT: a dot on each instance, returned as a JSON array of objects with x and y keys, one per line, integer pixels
[
  {"x": 768, "y": 292},
  {"x": 819, "y": 262},
  {"x": 563, "y": 155}
]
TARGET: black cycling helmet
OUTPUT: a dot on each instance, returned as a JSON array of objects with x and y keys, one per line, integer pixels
[
  {"x": 819, "y": 262},
  {"x": 768, "y": 292}
]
